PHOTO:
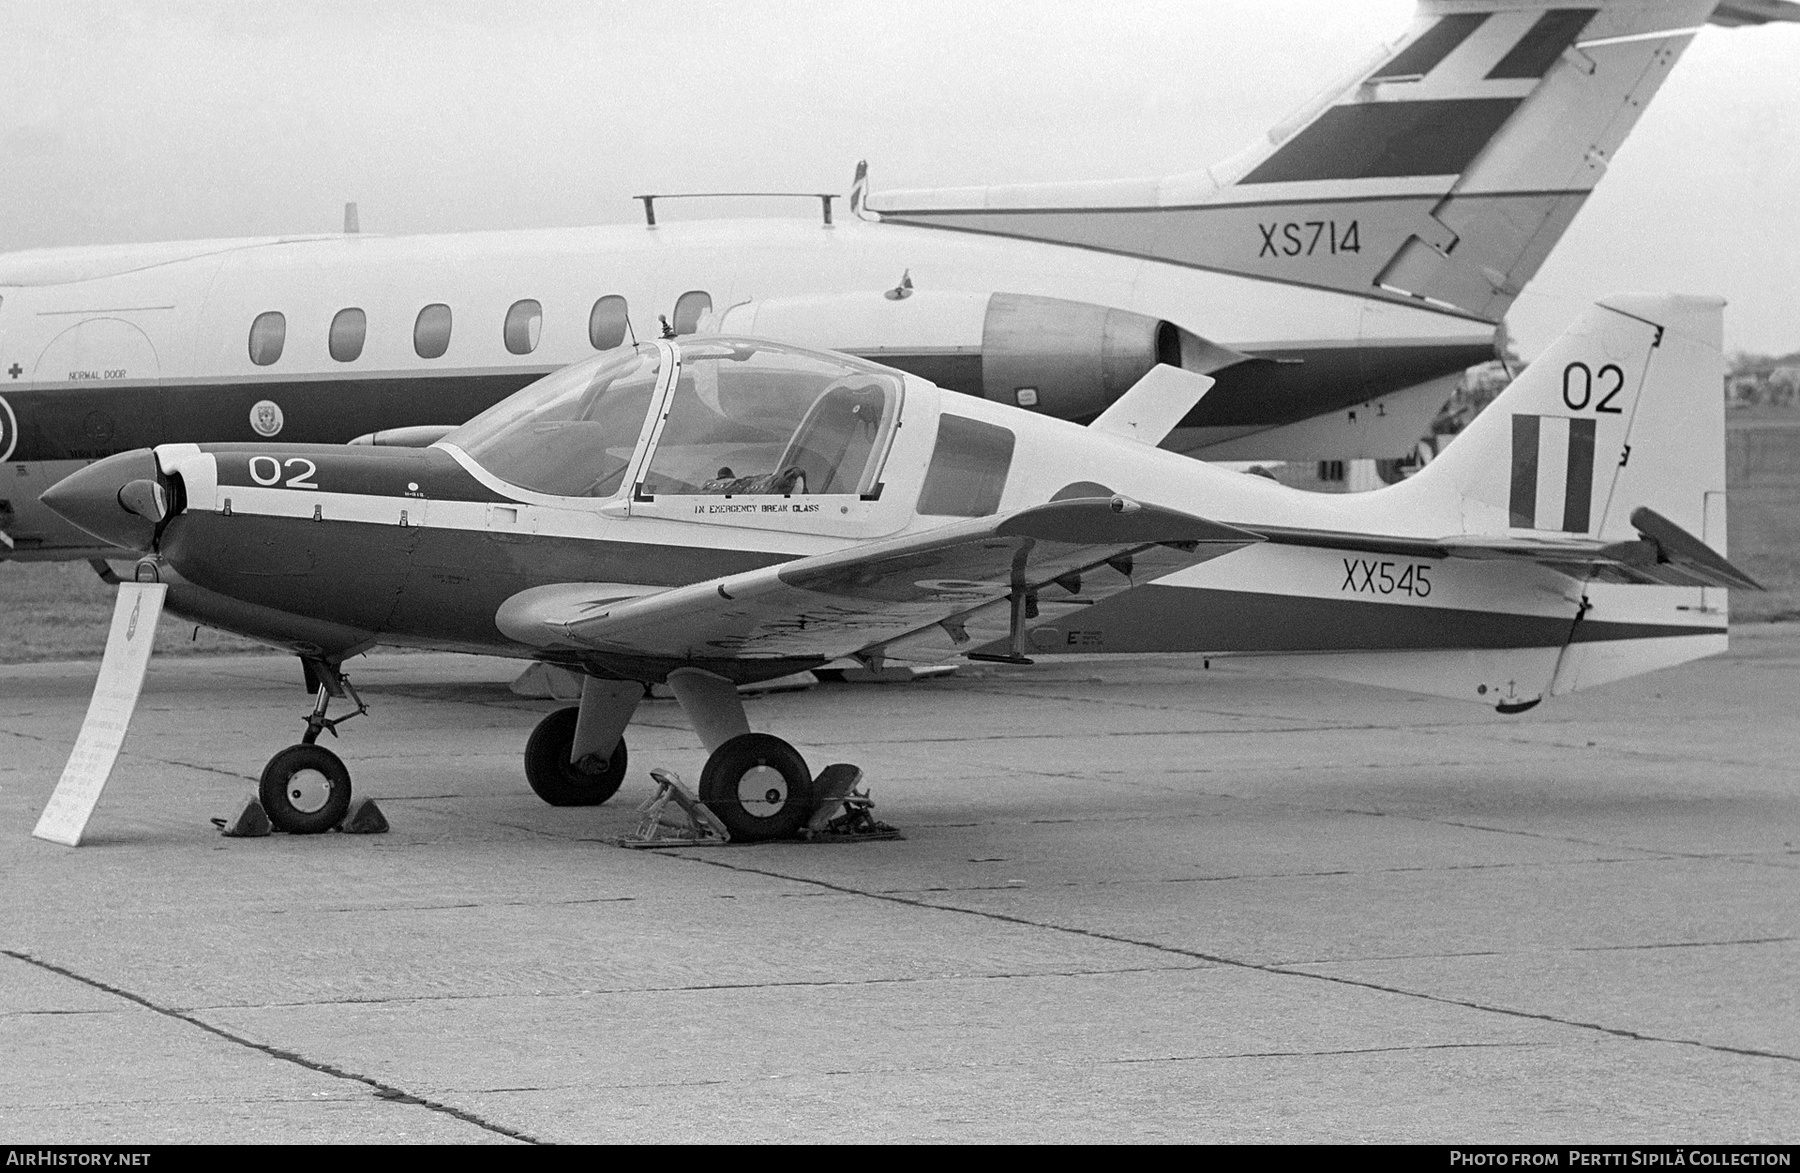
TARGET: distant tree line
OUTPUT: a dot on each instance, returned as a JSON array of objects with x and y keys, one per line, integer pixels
[
  {"x": 1751, "y": 380},
  {"x": 1763, "y": 380}
]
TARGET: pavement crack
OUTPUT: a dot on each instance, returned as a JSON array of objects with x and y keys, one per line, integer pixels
[
  {"x": 1326, "y": 1053},
  {"x": 1683, "y": 944},
  {"x": 351, "y": 908},
  {"x": 1327, "y": 873},
  {"x": 1650, "y": 854},
  {"x": 1453, "y": 954},
  {"x": 1239, "y": 963},
  {"x": 232, "y": 774},
  {"x": 708, "y": 987},
  {"x": 385, "y": 1091}
]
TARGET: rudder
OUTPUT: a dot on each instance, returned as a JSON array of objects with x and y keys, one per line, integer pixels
[{"x": 1624, "y": 410}]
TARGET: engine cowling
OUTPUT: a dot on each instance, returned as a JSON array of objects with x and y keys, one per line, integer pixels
[{"x": 1068, "y": 359}]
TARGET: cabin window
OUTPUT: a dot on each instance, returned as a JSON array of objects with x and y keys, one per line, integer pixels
[
  {"x": 968, "y": 469},
  {"x": 751, "y": 419},
  {"x": 690, "y": 307},
  {"x": 267, "y": 334},
  {"x": 607, "y": 322},
  {"x": 572, "y": 433},
  {"x": 348, "y": 330},
  {"x": 431, "y": 332},
  {"x": 524, "y": 323}
]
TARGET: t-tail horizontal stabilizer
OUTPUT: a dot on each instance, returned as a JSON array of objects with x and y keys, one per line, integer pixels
[{"x": 1440, "y": 172}]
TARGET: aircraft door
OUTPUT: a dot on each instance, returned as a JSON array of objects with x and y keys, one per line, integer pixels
[{"x": 97, "y": 390}]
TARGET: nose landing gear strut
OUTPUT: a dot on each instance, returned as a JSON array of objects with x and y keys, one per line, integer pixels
[{"x": 305, "y": 788}]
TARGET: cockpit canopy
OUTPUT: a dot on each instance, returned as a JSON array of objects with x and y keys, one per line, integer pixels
[{"x": 744, "y": 417}]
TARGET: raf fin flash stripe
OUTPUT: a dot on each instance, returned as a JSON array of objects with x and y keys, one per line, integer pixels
[{"x": 1542, "y": 447}]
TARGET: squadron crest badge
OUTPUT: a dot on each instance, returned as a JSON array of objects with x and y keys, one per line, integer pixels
[{"x": 265, "y": 418}]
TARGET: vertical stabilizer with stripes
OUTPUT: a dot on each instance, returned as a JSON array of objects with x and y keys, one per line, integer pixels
[
  {"x": 1439, "y": 172},
  {"x": 1591, "y": 492},
  {"x": 1624, "y": 411},
  {"x": 1624, "y": 414}
]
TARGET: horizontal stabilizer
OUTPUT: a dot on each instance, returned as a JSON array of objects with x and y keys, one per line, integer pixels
[
  {"x": 1154, "y": 405},
  {"x": 1681, "y": 551},
  {"x": 1663, "y": 555}
]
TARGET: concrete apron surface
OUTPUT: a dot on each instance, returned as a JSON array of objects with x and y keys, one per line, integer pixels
[{"x": 1137, "y": 901}]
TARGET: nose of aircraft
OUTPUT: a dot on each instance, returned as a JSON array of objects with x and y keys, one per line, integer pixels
[{"x": 94, "y": 498}]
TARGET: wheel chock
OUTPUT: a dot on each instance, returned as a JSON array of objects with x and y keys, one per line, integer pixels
[
  {"x": 364, "y": 818},
  {"x": 690, "y": 824},
  {"x": 547, "y": 682},
  {"x": 251, "y": 823},
  {"x": 844, "y": 814},
  {"x": 793, "y": 682},
  {"x": 892, "y": 673}
]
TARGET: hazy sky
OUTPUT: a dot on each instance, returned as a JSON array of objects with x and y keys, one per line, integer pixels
[{"x": 152, "y": 121}]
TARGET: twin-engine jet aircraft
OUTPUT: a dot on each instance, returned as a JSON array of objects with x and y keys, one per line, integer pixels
[
  {"x": 1335, "y": 277},
  {"x": 711, "y": 511}
]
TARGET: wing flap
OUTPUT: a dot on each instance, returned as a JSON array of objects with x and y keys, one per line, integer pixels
[{"x": 990, "y": 626}]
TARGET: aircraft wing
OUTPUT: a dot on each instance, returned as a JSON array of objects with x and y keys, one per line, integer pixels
[
  {"x": 1664, "y": 554},
  {"x": 877, "y": 594}
]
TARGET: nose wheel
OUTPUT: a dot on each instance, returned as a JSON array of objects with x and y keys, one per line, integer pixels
[
  {"x": 305, "y": 789},
  {"x": 759, "y": 787}
]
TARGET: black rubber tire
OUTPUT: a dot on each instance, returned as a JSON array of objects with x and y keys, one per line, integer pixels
[
  {"x": 782, "y": 813},
  {"x": 291, "y": 785},
  {"x": 556, "y": 779}
]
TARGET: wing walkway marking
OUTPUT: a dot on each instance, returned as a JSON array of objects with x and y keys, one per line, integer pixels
[{"x": 382, "y": 1090}]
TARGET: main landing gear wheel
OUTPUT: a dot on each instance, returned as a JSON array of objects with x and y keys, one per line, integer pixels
[
  {"x": 305, "y": 790},
  {"x": 557, "y": 780},
  {"x": 758, "y": 786}
]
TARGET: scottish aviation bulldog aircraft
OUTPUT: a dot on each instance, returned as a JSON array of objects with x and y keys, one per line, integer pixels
[
  {"x": 1335, "y": 278},
  {"x": 719, "y": 510}
]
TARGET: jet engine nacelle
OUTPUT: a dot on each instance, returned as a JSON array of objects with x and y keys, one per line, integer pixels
[{"x": 1068, "y": 359}]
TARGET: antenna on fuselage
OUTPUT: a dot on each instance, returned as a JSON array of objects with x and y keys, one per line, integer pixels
[{"x": 351, "y": 225}]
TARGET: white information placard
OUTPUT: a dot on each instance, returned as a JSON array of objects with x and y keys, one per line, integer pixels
[{"x": 109, "y": 713}]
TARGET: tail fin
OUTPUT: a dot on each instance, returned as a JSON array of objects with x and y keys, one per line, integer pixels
[
  {"x": 1602, "y": 464},
  {"x": 1625, "y": 411},
  {"x": 1441, "y": 171}
]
